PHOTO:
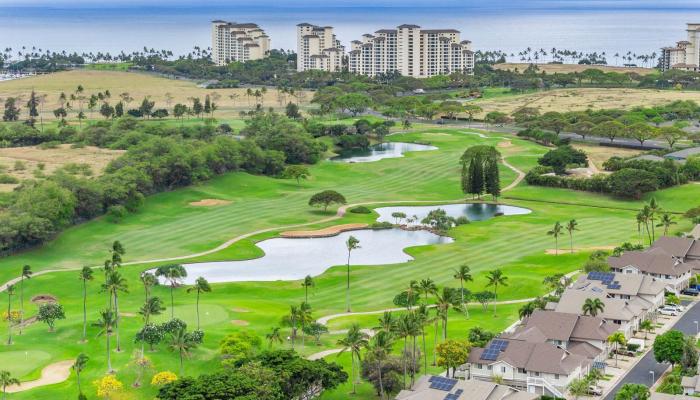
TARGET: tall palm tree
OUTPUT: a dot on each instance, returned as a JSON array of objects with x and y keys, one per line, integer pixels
[
  {"x": 26, "y": 274},
  {"x": 423, "y": 318},
  {"x": 306, "y": 284},
  {"x": 464, "y": 275},
  {"x": 200, "y": 286},
  {"x": 78, "y": 366},
  {"x": 173, "y": 273},
  {"x": 666, "y": 221},
  {"x": 148, "y": 280},
  {"x": 85, "y": 276},
  {"x": 292, "y": 319},
  {"x": 181, "y": 342},
  {"x": 387, "y": 322},
  {"x": 571, "y": 227},
  {"x": 353, "y": 342},
  {"x": 654, "y": 210},
  {"x": 412, "y": 291},
  {"x": 496, "y": 278},
  {"x": 640, "y": 221},
  {"x": 617, "y": 339},
  {"x": 403, "y": 331},
  {"x": 428, "y": 287},
  {"x": 106, "y": 322},
  {"x": 592, "y": 307},
  {"x": 526, "y": 310},
  {"x": 556, "y": 232},
  {"x": 115, "y": 283},
  {"x": 6, "y": 380},
  {"x": 380, "y": 347},
  {"x": 305, "y": 318},
  {"x": 352, "y": 244},
  {"x": 274, "y": 336},
  {"x": 10, "y": 292}
]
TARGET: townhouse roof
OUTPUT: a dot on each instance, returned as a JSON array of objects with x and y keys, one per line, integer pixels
[
  {"x": 683, "y": 154},
  {"x": 572, "y": 301},
  {"x": 552, "y": 325},
  {"x": 676, "y": 246},
  {"x": 537, "y": 357},
  {"x": 692, "y": 382},
  {"x": 470, "y": 390},
  {"x": 695, "y": 233},
  {"x": 627, "y": 284},
  {"x": 655, "y": 260}
]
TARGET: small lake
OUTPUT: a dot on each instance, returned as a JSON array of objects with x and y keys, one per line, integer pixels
[
  {"x": 292, "y": 259},
  {"x": 380, "y": 151},
  {"x": 473, "y": 211}
]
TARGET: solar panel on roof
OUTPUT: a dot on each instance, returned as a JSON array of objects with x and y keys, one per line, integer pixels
[
  {"x": 441, "y": 383},
  {"x": 455, "y": 395},
  {"x": 498, "y": 344}
]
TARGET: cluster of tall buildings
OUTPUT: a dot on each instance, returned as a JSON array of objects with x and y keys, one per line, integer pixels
[
  {"x": 408, "y": 49},
  {"x": 685, "y": 55}
]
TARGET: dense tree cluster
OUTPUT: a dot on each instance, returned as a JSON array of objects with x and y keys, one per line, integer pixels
[{"x": 480, "y": 171}]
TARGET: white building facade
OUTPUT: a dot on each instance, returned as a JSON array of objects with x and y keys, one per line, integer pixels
[
  {"x": 685, "y": 55},
  {"x": 241, "y": 42},
  {"x": 318, "y": 49},
  {"x": 411, "y": 51}
]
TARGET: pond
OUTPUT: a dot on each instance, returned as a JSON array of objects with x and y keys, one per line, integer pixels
[
  {"x": 473, "y": 211},
  {"x": 380, "y": 151},
  {"x": 291, "y": 259}
]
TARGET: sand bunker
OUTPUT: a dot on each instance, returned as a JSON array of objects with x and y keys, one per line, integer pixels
[
  {"x": 240, "y": 310},
  {"x": 210, "y": 203},
  {"x": 506, "y": 143},
  {"x": 325, "y": 232},
  {"x": 240, "y": 322},
  {"x": 51, "y": 374},
  {"x": 44, "y": 298},
  {"x": 566, "y": 250}
]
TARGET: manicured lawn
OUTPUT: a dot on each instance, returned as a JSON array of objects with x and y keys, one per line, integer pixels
[{"x": 169, "y": 226}]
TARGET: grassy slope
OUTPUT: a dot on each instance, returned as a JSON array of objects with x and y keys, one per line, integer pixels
[{"x": 167, "y": 226}]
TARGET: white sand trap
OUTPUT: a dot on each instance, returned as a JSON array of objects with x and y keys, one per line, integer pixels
[
  {"x": 240, "y": 322},
  {"x": 51, "y": 374},
  {"x": 567, "y": 250},
  {"x": 210, "y": 203},
  {"x": 507, "y": 143}
]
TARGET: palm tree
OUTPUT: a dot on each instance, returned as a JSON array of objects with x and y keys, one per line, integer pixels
[
  {"x": 200, "y": 286},
  {"x": 304, "y": 316},
  {"x": 274, "y": 336},
  {"x": 496, "y": 278},
  {"x": 617, "y": 339},
  {"x": 353, "y": 342},
  {"x": 292, "y": 319},
  {"x": 172, "y": 273},
  {"x": 666, "y": 221},
  {"x": 592, "y": 307},
  {"x": 387, "y": 322},
  {"x": 556, "y": 231},
  {"x": 115, "y": 283},
  {"x": 85, "y": 275},
  {"x": 78, "y": 367},
  {"x": 464, "y": 275},
  {"x": 308, "y": 282},
  {"x": 404, "y": 329},
  {"x": 181, "y": 342},
  {"x": 428, "y": 287},
  {"x": 380, "y": 347},
  {"x": 10, "y": 292},
  {"x": 645, "y": 214},
  {"x": 148, "y": 280},
  {"x": 640, "y": 221},
  {"x": 526, "y": 310},
  {"x": 647, "y": 326},
  {"x": 6, "y": 380},
  {"x": 654, "y": 209},
  {"x": 106, "y": 322},
  {"x": 571, "y": 227},
  {"x": 26, "y": 274},
  {"x": 443, "y": 303},
  {"x": 423, "y": 318},
  {"x": 412, "y": 291},
  {"x": 351, "y": 245}
]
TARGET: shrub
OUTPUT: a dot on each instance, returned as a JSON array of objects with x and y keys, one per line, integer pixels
[
  {"x": 360, "y": 210},
  {"x": 381, "y": 225},
  {"x": 116, "y": 213},
  {"x": 4, "y": 178},
  {"x": 461, "y": 220},
  {"x": 162, "y": 378},
  {"x": 633, "y": 346}
]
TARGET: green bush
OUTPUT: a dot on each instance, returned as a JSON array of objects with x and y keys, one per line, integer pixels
[
  {"x": 115, "y": 214},
  {"x": 461, "y": 220},
  {"x": 381, "y": 225},
  {"x": 4, "y": 178},
  {"x": 360, "y": 210},
  {"x": 633, "y": 346}
]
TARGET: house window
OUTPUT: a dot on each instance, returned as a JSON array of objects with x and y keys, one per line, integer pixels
[
  {"x": 537, "y": 374},
  {"x": 521, "y": 370},
  {"x": 556, "y": 376},
  {"x": 503, "y": 370},
  {"x": 490, "y": 367}
]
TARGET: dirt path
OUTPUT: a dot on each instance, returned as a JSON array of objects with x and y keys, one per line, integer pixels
[
  {"x": 518, "y": 179},
  {"x": 322, "y": 354},
  {"x": 51, "y": 374}
]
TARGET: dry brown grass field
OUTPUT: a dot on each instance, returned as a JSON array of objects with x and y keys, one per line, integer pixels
[
  {"x": 138, "y": 85},
  {"x": 29, "y": 159},
  {"x": 567, "y": 68},
  {"x": 577, "y": 99}
]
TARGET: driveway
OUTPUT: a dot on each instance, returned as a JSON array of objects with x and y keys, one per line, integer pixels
[{"x": 640, "y": 372}]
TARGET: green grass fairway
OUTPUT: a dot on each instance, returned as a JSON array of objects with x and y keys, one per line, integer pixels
[{"x": 169, "y": 226}]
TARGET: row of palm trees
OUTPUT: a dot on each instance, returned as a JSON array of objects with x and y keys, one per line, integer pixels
[
  {"x": 646, "y": 221},
  {"x": 558, "y": 229}
]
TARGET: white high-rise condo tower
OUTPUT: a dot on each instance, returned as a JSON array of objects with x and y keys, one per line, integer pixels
[
  {"x": 232, "y": 41},
  {"x": 318, "y": 48}
]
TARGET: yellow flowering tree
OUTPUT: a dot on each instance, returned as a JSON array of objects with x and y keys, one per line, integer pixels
[
  {"x": 107, "y": 386},
  {"x": 162, "y": 378}
]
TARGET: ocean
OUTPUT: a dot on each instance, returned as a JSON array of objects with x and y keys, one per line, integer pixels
[{"x": 612, "y": 26}]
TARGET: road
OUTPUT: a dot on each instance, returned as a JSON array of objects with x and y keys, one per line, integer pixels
[{"x": 640, "y": 372}]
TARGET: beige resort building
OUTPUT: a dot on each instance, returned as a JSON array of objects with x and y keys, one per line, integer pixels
[
  {"x": 412, "y": 51},
  {"x": 685, "y": 55},
  {"x": 318, "y": 48},
  {"x": 242, "y": 42}
]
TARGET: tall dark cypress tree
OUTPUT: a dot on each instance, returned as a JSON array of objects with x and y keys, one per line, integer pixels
[
  {"x": 476, "y": 176},
  {"x": 493, "y": 181},
  {"x": 33, "y": 106}
]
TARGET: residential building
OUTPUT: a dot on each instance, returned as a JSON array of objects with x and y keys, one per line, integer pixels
[
  {"x": 540, "y": 368},
  {"x": 440, "y": 388},
  {"x": 685, "y": 55},
  {"x": 233, "y": 41},
  {"x": 665, "y": 396},
  {"x": 691, "y": 385},
  {"x": 649, "y": 291},
  {"x": 412, "y": 51},
  {"x": 670, "y": 260},
  {"x": 682, "y": 155},
  {"x": 318, "y": 48},
  {"x": 578, "y": 334}
]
